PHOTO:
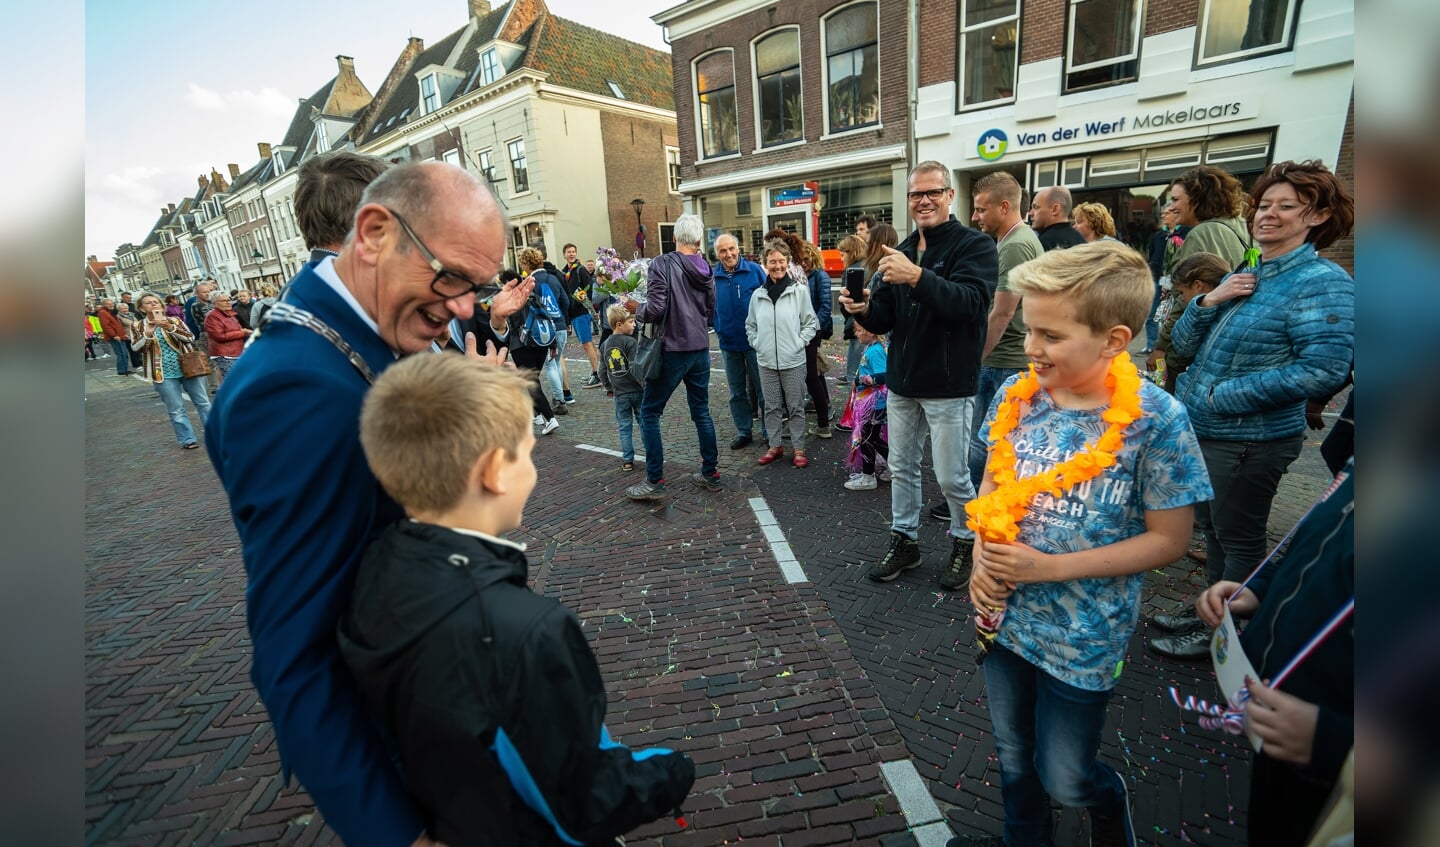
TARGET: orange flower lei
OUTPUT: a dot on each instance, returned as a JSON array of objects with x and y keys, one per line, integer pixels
[{"x": 996, "y": 516}]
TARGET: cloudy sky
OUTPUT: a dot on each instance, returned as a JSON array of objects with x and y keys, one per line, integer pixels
[{"x": 174, "y": 89}]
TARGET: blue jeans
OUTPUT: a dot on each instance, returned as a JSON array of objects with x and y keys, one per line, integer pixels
[
  {"x": 169, "y": 391},
  {"x": 990, "y": 381},
  {"x": 692, "y": 368},
  {"x": 627, "y": 411},
  {"x": 741, "y": 369},
  {"x": 554, "y": 369},
  {"x": 947, "y": 420},
  {"x": 852, "y": 362},
  {"x": 1152, "y": 326},
  {"x": 122, "y": 355},
  {"x": 1047, "y": 735}
]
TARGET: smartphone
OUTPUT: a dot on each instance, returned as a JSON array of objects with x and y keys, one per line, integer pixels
[{"x": 855, "y": 284}]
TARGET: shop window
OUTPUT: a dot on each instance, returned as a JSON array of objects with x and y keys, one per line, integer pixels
[
  {"x": 1168, "y": 162},
  {"x": 742, "y": 203},
  {"x": 1102, "y": 43},
  {"x": 1072, "y": 173},
  {"x": 852, "y": 67},
  {"x": 667, "y": 238},
  {"x": 1240, "y": 153},
  {"x": 1121, "y": 168},
  {"x": 1236, "y": 29},
  {"x": 1045, "y": 175},
  {"x": 988, "y": 54},
  {"x": 715, "y": 93},
  {"x": 777, "y": 84}
]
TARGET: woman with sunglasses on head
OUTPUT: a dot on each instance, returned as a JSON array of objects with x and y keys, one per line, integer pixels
[{"x": 162, "y": 338}]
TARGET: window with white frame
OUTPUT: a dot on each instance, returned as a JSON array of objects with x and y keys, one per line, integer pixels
[
  {"x": 322, "y": 138},
  {"x": 489, "y": 67},
  {"x": 518, "y": 169},
  {"x": 429, "y": 94},
  {"x": 487, "y": 169},
  {"x": 452, "y": 156},
  {"x": 615, "y": 89},
  {"x": 777, "y": 83},
  {"x": 1236, "y": 29},
  {"x": 1102, "y": 43},
  {"x": 989, "y": 54},
  {"x": 852, "y": 67},
  {"x": 715, "y": 92},
  {"x": 672, "y": 163}
]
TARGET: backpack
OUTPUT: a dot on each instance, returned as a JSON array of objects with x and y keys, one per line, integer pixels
[{"x": 541, "y": 317}]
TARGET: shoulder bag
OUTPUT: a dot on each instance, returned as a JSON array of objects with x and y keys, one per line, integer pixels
[{"x": 649, "y": 359}]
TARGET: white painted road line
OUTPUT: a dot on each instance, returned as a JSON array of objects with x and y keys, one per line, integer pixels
[
  {"x": 775, "y": 536},
  {"x": 607, "y": 451},
  {"x": 916, "y": 804}
]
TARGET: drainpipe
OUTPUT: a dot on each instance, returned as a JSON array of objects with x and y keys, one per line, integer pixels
[{"x": 912, "y": 75}]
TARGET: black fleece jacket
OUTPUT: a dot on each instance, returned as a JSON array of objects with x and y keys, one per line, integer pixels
[{"x": 939, "y": 325}]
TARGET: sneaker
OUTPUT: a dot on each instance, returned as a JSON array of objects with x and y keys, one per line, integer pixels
[
  {"x": 539, "y": 420},
  {"x": 550, "y": 426},
  {"x": 841, "y": 427},
  {"x": 820, "y": 432},
  {"x": 592, "y": 381},
  {"x": 904, "y": 554},
  {"x": 559, "y": 408},
  {"x": 941, "y": 512},
  {"x": 862, "y": 482},
  {"x": 646, "y": 490},
  {"x": 1194, "y": 644},
  {"x": 1183, "y": 621},
  {"x": 709, "y": 483},
  {"x": 976, "y": 841},
  {"x": 569, "y": 398},
  {"x": 884, "y": 476},
  {"x": 1113, "y": 827},
  {"x": 957, "y": 572}
]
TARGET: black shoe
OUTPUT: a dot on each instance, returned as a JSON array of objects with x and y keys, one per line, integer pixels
[
  {"x": 976, "y": 841},
  {"x": 957, "y": 572},
  {"x": 591, "y": 381},
  {"x": 709, "y": 483},
  {"x": 1183, "y": 621},
  {"x": 559, "y": 409},
  {"x": 1194, "y": 644},
  {"x": 904, "y": 554},
  {"x": 1113, "y": 827},
  {"x": 741, "y": 441},
  {"x": 941, "y": 512}
]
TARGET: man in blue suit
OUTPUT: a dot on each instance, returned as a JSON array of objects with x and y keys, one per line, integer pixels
[{"x": 424, "y": 237}]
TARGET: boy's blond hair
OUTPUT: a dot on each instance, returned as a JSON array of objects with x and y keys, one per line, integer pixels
[
  {"x": 430, "y": 417},
  {"x": 1109, "y": 282},
  {"x": 617, "y": 315}
]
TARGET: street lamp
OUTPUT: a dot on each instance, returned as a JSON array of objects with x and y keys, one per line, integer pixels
[
  {"x": 637, "y": 204},
  {"x": 257, "y": 257}
]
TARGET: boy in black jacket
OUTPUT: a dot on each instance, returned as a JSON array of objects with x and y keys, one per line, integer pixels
[
  {"x": 615, "y": 375},
  {"x": 490, "y": 691}
]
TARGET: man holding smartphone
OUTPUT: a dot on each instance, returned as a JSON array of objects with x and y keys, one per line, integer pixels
[{"x": 935, "y": 302}]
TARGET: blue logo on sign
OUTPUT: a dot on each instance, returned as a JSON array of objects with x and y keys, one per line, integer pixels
[{"x": 993, "y": 144}]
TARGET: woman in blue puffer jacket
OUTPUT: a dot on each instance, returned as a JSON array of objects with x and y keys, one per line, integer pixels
[{"x": 1265, "y": 341}]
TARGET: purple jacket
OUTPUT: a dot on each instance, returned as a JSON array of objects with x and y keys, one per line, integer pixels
[{"x": 682, "y": 293}]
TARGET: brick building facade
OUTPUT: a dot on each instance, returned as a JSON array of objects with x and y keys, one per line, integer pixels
[{"x": 750, "y": 160}]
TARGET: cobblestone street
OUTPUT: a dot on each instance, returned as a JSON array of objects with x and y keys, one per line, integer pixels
[{"x": 789, "y": 695}]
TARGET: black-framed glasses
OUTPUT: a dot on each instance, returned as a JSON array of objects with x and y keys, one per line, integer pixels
[
  {"x": 933, "y": 193},
  {"x": 446, "y": 283}
]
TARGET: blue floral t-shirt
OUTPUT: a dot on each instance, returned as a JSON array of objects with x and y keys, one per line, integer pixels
[{"x": 1078, "y": 631}]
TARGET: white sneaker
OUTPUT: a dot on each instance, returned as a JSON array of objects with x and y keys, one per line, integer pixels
[
  {"x": 883, "y": 476},
  {"x": 861, "y": 482},
  {"x": 539, "y": 420},
  {"x": 550, "y": 426}
]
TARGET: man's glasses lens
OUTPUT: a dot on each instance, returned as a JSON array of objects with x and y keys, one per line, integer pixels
[
  {"x": 448, "y": 284},
  {"x": 933, "y": 194}
]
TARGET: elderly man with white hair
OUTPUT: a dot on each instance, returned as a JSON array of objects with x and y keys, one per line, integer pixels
[
  {"x": 681, "y": 296},
  {"x": 736, "y": 280}
]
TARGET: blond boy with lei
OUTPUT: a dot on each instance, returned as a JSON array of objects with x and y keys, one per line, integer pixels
[{"x": 1091, "y": 481}]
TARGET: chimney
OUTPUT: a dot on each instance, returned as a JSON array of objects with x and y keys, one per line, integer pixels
[
  {"x": 264, "y": 150},
  {"x": 90, "y": 259},
  {"x": 234, "y": 172},
  {"x": 204, "y": 183},
  {"x": 346, "y": 64},
  {"x": 479, "y": 8},
  {"x": 217, "y": 181}
]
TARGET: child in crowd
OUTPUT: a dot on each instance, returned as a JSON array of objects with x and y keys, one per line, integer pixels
[
  {"x": 490, "y": 691},
  {"x": 615, "y": 356},
  {"x": 867, "y": 411},
  {"x": 1093, "y": 486},
  {"x": 1195, "y": 276}
]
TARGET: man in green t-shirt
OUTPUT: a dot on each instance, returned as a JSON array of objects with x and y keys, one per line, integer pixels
[{"x": 997, "y": 211}]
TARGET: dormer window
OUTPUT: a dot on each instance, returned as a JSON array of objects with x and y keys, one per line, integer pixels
[
  {"x": 490, "y": 69},
  {"x": 429, "y": 94},
  {"x": 615, "y": 88},
  {"x": 322, "y": 138}
]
